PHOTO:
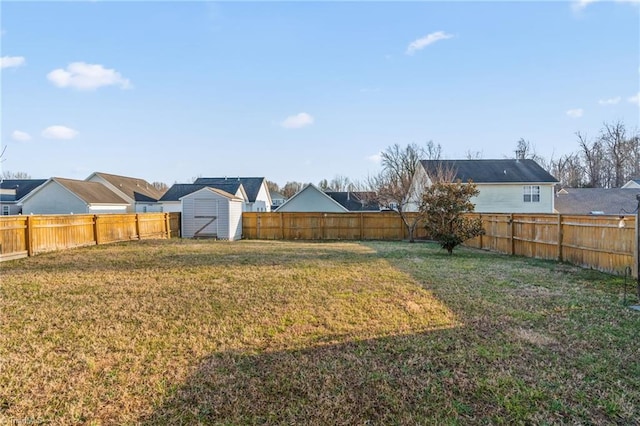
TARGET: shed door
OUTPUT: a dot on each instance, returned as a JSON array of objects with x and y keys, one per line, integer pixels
[{"x": 205, "y": 217}]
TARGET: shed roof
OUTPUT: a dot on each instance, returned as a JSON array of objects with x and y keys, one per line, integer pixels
[
  {"x": 492, "y": 171},
  {"x": 216, "y": 191}
]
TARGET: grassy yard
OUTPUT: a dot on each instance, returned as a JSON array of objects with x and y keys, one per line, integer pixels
[{"x": 188, "y": 332}]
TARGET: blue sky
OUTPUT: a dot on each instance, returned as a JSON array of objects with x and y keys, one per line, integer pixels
[{"x": 167, "y": 91}]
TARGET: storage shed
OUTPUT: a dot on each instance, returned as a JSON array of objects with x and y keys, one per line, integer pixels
[{"x": 212, "y": 213}]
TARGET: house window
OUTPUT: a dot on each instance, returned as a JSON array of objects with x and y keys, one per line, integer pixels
[
  {"x": 5, "y": 210},
  {"x": 532, "y": 193}
]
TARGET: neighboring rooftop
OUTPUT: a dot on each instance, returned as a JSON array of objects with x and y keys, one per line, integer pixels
[
  {"x": 91, "y": 192},
  {"x": 179, "y": 190},
  {"x": 21, "y": 186},
  {"x": 251, "y": 184},
  {"x": 591, "y": 200},
  {"x": 135, "y": 188},
  {"x": 355, "y": 201},
  {"x": 491, "y": 171}
]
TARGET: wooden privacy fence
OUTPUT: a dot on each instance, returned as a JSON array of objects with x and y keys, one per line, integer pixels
[
  {"x": 22, "y": 236},
  {"x": 590, "y": 241}
]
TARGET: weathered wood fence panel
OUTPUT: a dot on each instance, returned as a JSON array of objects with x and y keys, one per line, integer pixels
[
  {"x": 22, "y": 236},
  {"x": 590, "y": 241}
]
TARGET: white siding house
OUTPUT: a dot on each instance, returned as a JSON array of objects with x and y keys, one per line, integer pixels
[
  {"x": 505, "y": 186},
  {"x": 311, "y": 199},
  {"x": 68, "y": 196},
  {"x": 212, "y": 213}
]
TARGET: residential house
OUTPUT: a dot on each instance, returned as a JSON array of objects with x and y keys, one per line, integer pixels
[
  {"x": 258, "y": 197},
  {"x": 171, "y": 200},
  {"x": 140, "y": 194},
  {"x": 277, "y": 199},
  {"x": 212, "y": 213},
  {"x": 633, "y": 183},
  {"x": 355, "y": 201},
  {"x": 612, "y": 201},
  {"x": 70, "y": 196},
  {"x": 505, "y": 186},
  {"x": 311, "y": 199},
  {"x": 12, "y": 191}
]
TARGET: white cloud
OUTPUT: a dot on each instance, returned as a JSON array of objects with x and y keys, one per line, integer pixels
[
  {"x": 610, "y": 101},
  {"x": 575, "y": 113},
  {"x": 18, "y": 135},
  {"x": 11, "y": 61},
  {"x": 83, "y": 76},
  {"x": 375, "y": 158},
  {"x": 297, "y": 121},
  {"x": 425, "y": 41},
  {"x": 59, "y": 132},
  {"x": 580, "y": 5},
  {"x": 635, "y": 99}
]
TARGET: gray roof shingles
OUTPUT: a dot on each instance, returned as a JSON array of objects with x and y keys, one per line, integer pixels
[
  {"x": 607, "y": 200},
  {"x": 22, "y": 187},
  {"x": 251, "y": 184},
  {"x": 492, "y": 171}
]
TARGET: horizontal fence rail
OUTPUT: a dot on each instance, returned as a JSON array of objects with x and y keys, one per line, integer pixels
[
  {"x": 590, "y": 241},
  {"x": 22, "y": 236}
]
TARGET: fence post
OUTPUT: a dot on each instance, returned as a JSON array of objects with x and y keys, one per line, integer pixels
[
  {"x": 560, "y": 237},
  {"x": 361, "y": 226},
  {"x": 513, "y": 243},
  {"x": 167, "y": 225},
  {"x": 282, "y": 225},
  {"x": 96, "y": 229},
  {"x": 138, "y": 226},
  {"x": 481, "y": 243},
  {"x": 29, "y": 241}
]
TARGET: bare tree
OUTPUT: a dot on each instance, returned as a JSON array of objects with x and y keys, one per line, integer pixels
[
  {"x": 526, "y": 150},
  {"x": 613, "y": 138},
  {"x": 394, "y": 187},
  {"x": 340, "y": 183},
  {"x": 291, "y": 188},
  {"x": 568, "y": 169},
  {"x": 15, "y": 175},
  {"x": 593, "y": 159},
  {"x": 272, "y": 186},
  {"x": 160, "y": 186},
  {"x": 473, "y": 155}
]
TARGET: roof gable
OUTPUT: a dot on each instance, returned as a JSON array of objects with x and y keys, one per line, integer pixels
[
  {"x": 90, "y": 192},
  {"x": 227, "y": 195},
  {"x": 310, "y": 190},
  {"x": 135, "y": 188},
  {"x": 491, "y": 171}
]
